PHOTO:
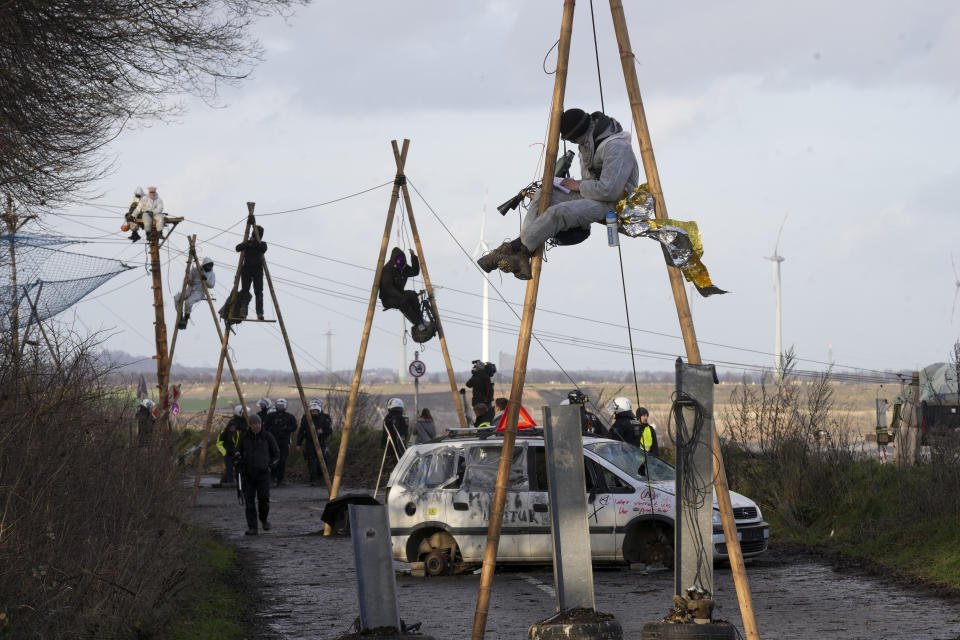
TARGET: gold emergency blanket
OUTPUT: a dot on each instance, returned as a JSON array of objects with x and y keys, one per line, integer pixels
[{"x": 682, "y": 247}]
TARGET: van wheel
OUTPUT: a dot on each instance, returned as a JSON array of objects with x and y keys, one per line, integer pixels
[
  {"x": 650, "y": 543},
  {"x": 436, "y": 563}
]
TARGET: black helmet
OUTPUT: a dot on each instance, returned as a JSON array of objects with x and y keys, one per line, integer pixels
[{"x": 577, "y": 397}]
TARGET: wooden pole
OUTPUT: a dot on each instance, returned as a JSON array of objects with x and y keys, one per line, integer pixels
[
  {"x": 523, "y": 340},
  {"x": 224, "y": 340},
  {"x": 368, "y": 323},
  {"x": 160, "y": 326},
  {"x": 293, "y": 362},
  {"x": 683, "y": 313},
  {"x": 433, "y": 304}
]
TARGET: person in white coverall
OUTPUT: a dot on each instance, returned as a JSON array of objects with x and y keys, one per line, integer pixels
[
  {"x": 608, "y": 170},
  {"x": 132, "y": 216},
  {"x": 151, "y": 207},
  {"x": 194, "y": 291}
]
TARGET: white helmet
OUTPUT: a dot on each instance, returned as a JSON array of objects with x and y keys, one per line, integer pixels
[
  {"x": 620, "y": 404},
  {"x": 264, "y": 403},
  {"x": 394, "y": 403},
  {"x": 238, "y": 410},
  {"x": 316, "y": 404},
  {"x": 271, "y": 410},
  {"x": 148, "y": 403},
  {"x": 281, "y": 403}
]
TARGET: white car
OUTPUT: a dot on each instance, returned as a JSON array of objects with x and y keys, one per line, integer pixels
[{"x": 439, "y": 498}]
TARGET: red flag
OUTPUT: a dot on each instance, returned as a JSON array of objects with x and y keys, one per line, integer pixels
[{"x": 524, "y": 421}]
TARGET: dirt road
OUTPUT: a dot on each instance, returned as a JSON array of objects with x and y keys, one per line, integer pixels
[{"x": 305, "y": 587}]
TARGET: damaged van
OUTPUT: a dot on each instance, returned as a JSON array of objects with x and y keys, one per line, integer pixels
[{"x": 440, "y": 494}]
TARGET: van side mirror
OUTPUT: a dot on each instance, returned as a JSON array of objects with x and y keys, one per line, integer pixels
[{"x": 642, "y": 471}]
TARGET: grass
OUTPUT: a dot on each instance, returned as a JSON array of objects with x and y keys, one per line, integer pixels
[{"x": 216, "y": 610}]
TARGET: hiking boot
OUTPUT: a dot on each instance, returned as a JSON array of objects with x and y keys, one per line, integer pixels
[
  {"x": 266, "y": 525},
  {"x": 250, "y": 532},
  {"x": 488, "y": 262},
  {"x": 134, "y": 236},
  {"x": 517, "y": 263},
  {"x": 182, "y": 324},
  {"x": 259, "y": 316}
]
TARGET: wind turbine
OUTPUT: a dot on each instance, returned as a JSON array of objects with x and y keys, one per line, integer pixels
[
  {"x": 776, "y": 259},
  {"x": 956, "y": 291},
  {"x": 477, "y": 252}
]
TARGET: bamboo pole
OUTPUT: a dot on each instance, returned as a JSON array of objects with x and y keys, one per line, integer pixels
[
  {"x": 224, "y": 341},
  {"x": 683, "y": 314},
  {"x": 293, "y": 362},
  {"x": 433, "y": 304},
  {"x": 368, "y": 323},
  {"x": 523, "y": 340}
]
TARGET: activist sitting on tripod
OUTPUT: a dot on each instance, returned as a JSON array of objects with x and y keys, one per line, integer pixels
[
  {"x": 393, "y": 279},
  {"x": 608, "y": 170}
]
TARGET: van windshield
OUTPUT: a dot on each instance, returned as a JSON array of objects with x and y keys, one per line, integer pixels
[{"x": 633, "y": 461}]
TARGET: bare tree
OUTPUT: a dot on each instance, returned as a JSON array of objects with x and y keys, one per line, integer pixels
[{"x": 74, "y": 73}]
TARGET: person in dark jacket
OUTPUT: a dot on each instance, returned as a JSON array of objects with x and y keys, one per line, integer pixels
[
  {"x": 238, "y": 421},
  {"x": 481, "y": 381},
  {"x": 625, "y": 426},
  {"x": 589, "y": 423},
  {"x": 227, "y": 443},
  {"x": 252, "y": 270},
  {"x": 145, "y": 422},
  {"x": 257, "y": 453},
  {"x": 323, "y": 427},
  {"x": 484, "y": 414},
  {"x": 263, "y": 409},
  {"x": 397, "y": 426},
  {"x": 393, "y": 279},
  {"x": 281, "y": 426},
  {"x": 648, "y": 433}
]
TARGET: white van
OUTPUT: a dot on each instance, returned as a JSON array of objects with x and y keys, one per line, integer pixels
[{"x": 439, "y": 498}]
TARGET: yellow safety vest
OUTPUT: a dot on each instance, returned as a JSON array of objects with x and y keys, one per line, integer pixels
[
  {"x": 221, "y": 448},
  {"x": 646, "y": 437}
]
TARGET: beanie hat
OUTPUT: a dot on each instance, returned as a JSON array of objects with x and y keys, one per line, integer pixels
[
  {"x": 642, "y": 412},
  {"x": 573, "y": 124}
]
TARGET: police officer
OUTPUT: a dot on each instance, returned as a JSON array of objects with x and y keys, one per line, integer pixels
[
  {"x": 237, "y": 420},
  {"x": 322, "y": 425},
  {"x": 263, "y": 408},
  {"x": 589, "y": 423},
  {"x": 227, "y": 443},
  {"x": 625, "y": 426},
  {"x": 258, "y": 454},
  {"x": 396, "y": 425},
  {"x": 281, "y": 425}
]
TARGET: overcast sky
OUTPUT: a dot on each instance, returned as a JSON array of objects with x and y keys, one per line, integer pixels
[{"x": 841, "y": 116}]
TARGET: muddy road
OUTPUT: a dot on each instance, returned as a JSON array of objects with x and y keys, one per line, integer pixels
[{"x": 305, "y": 587}]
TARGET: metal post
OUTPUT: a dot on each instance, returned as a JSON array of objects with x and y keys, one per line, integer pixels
[
  {"x": 693, "y": 533},
  {"x": 523, "y": 339},
  {"x": 416, "y": 390},
  {"x": 293, "y": 363},
  {"x": 376, "y": 581},
  {"x": 433, "y": 304},
  {"x": 368, "y": 323},
  {"x": 572, "y": 565},
  {"x": 627, "y": 61}
]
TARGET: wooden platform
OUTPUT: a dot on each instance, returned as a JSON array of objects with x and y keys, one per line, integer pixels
[{"x": 249, "y": 320}]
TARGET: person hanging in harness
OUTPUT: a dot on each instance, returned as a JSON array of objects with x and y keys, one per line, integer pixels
[
  {"x": 393, "y": 279},
  {"x": 608, "y": 169},
  {"x": 132, "y": 217},
  {"x": 251, "y": 272},
  {"x": 194, "y": 291}
]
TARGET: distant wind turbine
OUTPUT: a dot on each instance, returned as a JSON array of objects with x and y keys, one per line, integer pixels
[
  {"x": 956, "y": 290},
  {"x": 776, "y": 259},
  {"x": 481, "y": 248}
]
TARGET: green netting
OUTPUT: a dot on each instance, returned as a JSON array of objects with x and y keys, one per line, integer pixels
[{"x": 47, "y": 276}]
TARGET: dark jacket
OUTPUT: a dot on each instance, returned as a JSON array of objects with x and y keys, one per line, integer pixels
[
  {"x": 258, "y": 452},
  {"x": 281, "y": 425},
  {"x": 253, "y": 256},
  {"x": 393, "y": 280},
  {"x": 399, "y": 427},
  {"x": 482, "y": 386},
  {"x": 239, "y": 423},
  {"x": 230, "y": 439},
  {"x": 626, "y": 428},
  {"x": 145, "y": 424},
  {"x": 322, "y": 425}
]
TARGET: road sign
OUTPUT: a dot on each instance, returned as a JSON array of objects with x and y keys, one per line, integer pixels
[
  {"x": 417, "y": 368},
  {"x": 175, "y": 409}
]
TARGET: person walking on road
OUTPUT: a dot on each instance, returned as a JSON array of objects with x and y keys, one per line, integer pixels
[
  {"x": 322, "y": 426},
  {"x": 258, "y": 453},
  {"x": 227, "y": 443}
]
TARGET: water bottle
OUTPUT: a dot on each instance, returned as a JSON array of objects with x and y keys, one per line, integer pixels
[{"x": 613, "y": 237}]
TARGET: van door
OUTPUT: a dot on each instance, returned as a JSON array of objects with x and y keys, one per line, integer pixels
[
  {"x": 601, "y": 514},
  {"x": 471, "y": 501}
]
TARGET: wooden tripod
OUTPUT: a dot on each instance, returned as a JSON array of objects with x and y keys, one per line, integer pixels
[
  {"x": 529, "y": 309},
  {"x": 399, "y": 184}
]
